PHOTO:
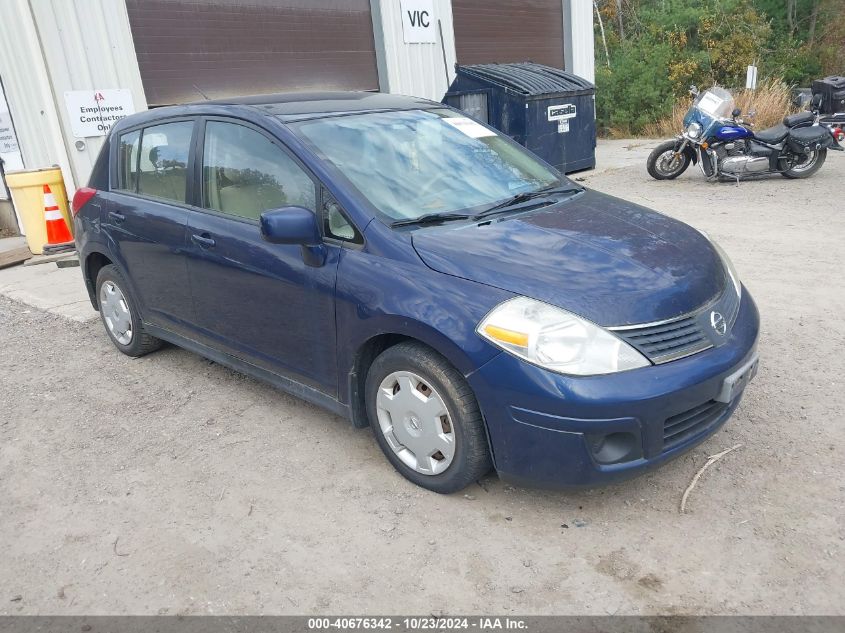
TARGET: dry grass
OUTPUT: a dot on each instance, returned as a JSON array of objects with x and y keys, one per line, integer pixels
[{"x": 772, "y": 101}]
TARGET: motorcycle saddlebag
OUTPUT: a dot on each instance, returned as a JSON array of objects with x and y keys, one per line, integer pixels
[
  {"x": 832, "y": 90},
  {"x": 804, "y": 140}
]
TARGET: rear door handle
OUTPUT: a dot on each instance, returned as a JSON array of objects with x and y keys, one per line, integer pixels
[
  {"x": 117, "y": 217},
  {"x": 203, "y": 241}
]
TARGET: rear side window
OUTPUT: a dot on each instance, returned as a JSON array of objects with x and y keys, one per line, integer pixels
[
  {"x": 245, "y": 174},
  {"x": 163, "y": 160},
  {"x": 128, "y": 146}
]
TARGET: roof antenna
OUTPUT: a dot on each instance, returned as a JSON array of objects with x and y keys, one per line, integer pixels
[{"x": 201, "y": 92}]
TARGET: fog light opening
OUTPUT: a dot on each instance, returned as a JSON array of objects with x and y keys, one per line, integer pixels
[{"x": 614, "y": 447}]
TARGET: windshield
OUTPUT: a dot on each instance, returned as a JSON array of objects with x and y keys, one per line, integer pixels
[
  {"x": 417, "y": 162},
  {"x": 716, "y": 102}
]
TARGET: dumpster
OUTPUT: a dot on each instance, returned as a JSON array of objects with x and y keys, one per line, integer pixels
[
  {"x": 549, "y": 111},
  {"x": 27, "y": 189}
]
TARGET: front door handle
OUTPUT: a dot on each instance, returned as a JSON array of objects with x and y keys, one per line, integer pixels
[
  {"x": 117, "y": 217},
  {"x": 203, "y": 241}
]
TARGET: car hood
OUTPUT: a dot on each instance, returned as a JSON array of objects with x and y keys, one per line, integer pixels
[{"x": 606, "y": 259}]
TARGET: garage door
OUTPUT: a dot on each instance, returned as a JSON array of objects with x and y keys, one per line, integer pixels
[
  {"x": 498, "y": 31},
  {"x": 225, "y": 48}
]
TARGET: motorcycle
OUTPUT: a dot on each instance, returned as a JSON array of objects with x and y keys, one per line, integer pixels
[
  {"x": 828, "y": 98},
  {"x": 725, "y": 147}
]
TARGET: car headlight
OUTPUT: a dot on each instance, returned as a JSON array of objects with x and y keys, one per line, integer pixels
[
  {"x": 694, "y": 130},
  {"x": 729, "y": 266},
  {"x": 556, "y": 339}
]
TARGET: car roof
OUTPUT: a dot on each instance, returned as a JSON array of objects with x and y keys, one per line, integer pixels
[
  {"x": 309, "y": 105},
  {"x": 285, "y": 107}
]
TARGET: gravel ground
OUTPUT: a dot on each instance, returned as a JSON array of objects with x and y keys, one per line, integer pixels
[{"x": 169, "y": 484}]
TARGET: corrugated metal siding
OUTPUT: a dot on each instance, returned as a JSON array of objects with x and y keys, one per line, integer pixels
[
  {"x": 225, "y": 48},
  {"x": 502, "y": 31},
  {"x": 414, "y": 69},
  {"x": 87, "y": 45},
  {"x": 27, "y": 86},
  {"x": 578, "y": 39}
]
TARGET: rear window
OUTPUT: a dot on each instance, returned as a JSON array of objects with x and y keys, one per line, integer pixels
[
  {"x": 128, "y": 147},
  {"x": 154, "y": 161},
  {"x": 163, "y": 162}
]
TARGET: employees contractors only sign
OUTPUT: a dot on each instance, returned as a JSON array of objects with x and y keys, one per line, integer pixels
[
  {"x": 10, "y": 152},
  {"x": 94, "y": 112}
]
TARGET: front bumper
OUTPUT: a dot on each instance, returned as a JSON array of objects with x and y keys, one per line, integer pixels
[{"x": 550, "y": 430}]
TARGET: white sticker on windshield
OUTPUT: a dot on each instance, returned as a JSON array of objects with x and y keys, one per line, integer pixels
[
  {"x": 709, "y": 103},
  {"x": 469, "y": 127}
]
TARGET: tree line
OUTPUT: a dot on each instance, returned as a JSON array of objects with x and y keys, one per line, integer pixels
[{"x": 648, "y": 52}]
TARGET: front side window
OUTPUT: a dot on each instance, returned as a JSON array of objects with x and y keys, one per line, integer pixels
[
  {"x": 163, "y": 164},
  {"x": 335, "y": 223},
  {"x": 414, "y": 162},
  {"x": 245, "y": 174}
]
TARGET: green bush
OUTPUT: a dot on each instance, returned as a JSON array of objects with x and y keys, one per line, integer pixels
[
  {"x": 636, "y": 89},
  {"x": 670, "y": 44}
]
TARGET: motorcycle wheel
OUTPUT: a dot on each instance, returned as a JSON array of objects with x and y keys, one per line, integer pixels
[
  {"x": 662, "y": 163},
  {"x": 808, "y": 166}
]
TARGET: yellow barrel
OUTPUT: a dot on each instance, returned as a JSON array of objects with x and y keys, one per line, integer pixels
[{"x": 27, "y": 189}]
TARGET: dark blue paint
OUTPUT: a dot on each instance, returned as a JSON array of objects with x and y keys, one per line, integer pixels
[
  {"x": 290, "y": 225},
  {"x": 545, "y": 442},
  {"x": 732, "y": 133},
  {"x": 261, "y": 302},
  {"x": 611, "y": 261},
  {"x": 216, "y": 286},
  {"x": 150, "y": 242}
]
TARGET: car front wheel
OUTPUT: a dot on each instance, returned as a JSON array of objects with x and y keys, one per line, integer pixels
[{"x": 426, "y": 419}]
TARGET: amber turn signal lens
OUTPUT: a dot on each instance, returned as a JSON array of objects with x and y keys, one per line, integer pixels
[{"x": 506, "y": 336}]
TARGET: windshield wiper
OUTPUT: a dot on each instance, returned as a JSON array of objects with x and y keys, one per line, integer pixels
[
  {"x": 431, "y": 218},
  {"x": 435, "y": 218},
  {"x": 525, "y": 197}
]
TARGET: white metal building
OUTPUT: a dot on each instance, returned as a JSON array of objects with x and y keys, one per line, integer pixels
[{"x": 56, "y": 56}]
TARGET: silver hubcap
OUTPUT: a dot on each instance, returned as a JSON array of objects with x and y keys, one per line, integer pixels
[
  {"x": 115, "y": 311},
  {"x": 416, "y": 423}
]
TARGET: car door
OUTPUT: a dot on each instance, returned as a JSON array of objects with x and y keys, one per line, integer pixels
[
  {"x": 259, "y": 301},
  {"x": 146, "y": 217}
]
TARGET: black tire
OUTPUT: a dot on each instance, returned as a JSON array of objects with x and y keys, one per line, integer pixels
[
  {"x": 140, "y": 343},
  {"x": 654, "y": 169},
  {"x": 471, "y": 458},
  {"x": 821, "y": 156}
]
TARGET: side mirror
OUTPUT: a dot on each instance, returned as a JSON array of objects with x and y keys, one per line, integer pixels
[
  {"x": 290, "y": 225},
  {"x": 736, "y": 112}
]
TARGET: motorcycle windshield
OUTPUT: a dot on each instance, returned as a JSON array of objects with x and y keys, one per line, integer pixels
[{"x": 715, "y": 103}]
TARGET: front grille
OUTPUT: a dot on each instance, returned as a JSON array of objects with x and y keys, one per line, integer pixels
[
  {"x": 685, "y": 335},
  {"x": 667, "y": 341},
  {"x": 685, "y": 425}
]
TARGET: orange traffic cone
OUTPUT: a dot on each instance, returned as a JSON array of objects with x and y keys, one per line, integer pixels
[{"x": 58, "y": 235}]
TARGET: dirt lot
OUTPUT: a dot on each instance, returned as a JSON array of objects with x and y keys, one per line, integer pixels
[{"x": 169, "y": 484}]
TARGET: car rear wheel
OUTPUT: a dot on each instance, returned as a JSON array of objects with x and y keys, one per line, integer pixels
[
  {"x": 119, "y": 314},
  {"x": 426, "y": 419}
]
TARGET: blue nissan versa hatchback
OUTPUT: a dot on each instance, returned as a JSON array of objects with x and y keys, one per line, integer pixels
[{"x": 404, "y": 266}]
